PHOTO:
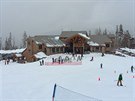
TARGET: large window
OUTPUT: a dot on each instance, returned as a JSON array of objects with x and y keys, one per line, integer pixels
[
  {"x": 28, "y": 42},
  {"x": 45, "y": 50},
  {"x": 53, "y": 50},
  {"x": 61, "y": 49},
  {"x": 40, "y": 46},
  {"x": 57, "y": 49},
  {"x": 107, "y": 45}
]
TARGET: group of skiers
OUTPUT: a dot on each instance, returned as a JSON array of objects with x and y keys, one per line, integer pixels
[
  {"x": 7, "y": 61},
  {"x": 41, "y": 62},
  {"x": 61, "y": 60},
  {"x": 120, "y": 77}
]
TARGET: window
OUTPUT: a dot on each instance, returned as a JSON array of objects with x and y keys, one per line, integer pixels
[
  {"x": 57, "y": 49},
  {"x": 61, "y": 49},
  {"x": 107, "y": 45},
  {"x": 53, "y": 50},
  {"x": 45, "y": 50},
  {"x": 40, "y": 47},
  {"x": 28, "y": 42},
  {"x": 30, "y": 52},
  {"x": 97, "y": 48}
]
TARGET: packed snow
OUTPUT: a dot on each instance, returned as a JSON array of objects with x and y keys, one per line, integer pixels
[{"x": 32, "y": 82}]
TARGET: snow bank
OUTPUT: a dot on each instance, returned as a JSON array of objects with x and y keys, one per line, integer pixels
[
  {"x": 129, "y": 50},
  {"x": 40, "y": 55},
  {"x": 12, "y": 51}
]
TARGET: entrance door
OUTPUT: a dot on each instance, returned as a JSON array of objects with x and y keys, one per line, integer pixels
[{"x": 78, "y": 50}]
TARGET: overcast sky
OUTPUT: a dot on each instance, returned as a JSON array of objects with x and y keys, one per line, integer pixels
[{"x": 53, "y": 16}]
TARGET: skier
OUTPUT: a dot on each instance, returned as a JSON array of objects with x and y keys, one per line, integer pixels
[
  {"x": 52, "y": 60},
  {"x": 42, "y": 62},
  {"x": 120, "y": 80},
  {"x": 102, "y": 54},
  {"x": 101, "y": 65},
  {"x": 132, "y": 69}
]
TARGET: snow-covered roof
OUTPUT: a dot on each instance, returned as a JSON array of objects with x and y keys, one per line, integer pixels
[
  {"x": 91, "y": 43},
  {"x": 40, "y": 55},
  {"x": 12, "y": 51},
  {"x": 57, "y": 38},
  {"x": 49, "y": 40},
  {"x": 38, "y": 42},
  {"x": 83, "y": 35},
  {"x": 68, "y": 34},
  {"x": 56, "y": 45},
  {"x": 100, "y": 39},
  {"x": 18, "y": 55}
]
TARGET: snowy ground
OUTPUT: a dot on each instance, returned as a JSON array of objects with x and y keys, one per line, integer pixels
[{"x": 32, "y": 82}]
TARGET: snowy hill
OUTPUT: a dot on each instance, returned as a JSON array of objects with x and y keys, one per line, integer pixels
[{"x": 32, "y": 82}]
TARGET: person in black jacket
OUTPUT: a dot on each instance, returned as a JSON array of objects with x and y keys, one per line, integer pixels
[
  {"x": 132, "y": 69},
  {"x": 120, "y": 78}
]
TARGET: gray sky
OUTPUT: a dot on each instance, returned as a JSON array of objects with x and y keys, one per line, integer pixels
[{"x": 52, "y": 16}]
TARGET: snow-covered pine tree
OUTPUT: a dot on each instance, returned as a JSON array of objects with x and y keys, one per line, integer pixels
[
  {"x": 105, "y": 32},
  {"x": 10, "y": 42},
  {"x": 24, "y": 39}
]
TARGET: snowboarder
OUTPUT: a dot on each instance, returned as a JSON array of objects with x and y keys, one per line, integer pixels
[
  {"x": 91, "y": 59},
  {"x": 132, "y": 69},
  {"x": 120, "y": 78}
]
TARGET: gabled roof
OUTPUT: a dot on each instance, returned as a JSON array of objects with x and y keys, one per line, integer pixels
[
  {"x": 80, "y": 34},
  {"x": 71, "y": 33},
  {"x": 48, "y": 40},
  {"x": 99, "y": 39},
  {"x": 40, "y": 55}
]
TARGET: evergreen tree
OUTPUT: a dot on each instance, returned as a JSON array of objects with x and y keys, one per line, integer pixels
[
  {"x": 0, "y": 43},
  {"x": 126, "y": 39},
  {"x": 24, "y": 39},
  {"x": 121, "y": 29},
  {"x": 6, "y": 44},
  {"x": 10, "y": 42},
  {"x": 98, "y": 31},
  {"x": 117, "y": 29},
  {"x": 89, "y": 33},
  {"x": 105, "y": 32}
]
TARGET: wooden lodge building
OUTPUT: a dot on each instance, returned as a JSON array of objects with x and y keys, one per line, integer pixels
[{"x": 77, "y": 42}]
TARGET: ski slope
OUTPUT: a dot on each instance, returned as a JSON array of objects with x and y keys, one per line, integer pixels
[{"x": 32, "y": 82}]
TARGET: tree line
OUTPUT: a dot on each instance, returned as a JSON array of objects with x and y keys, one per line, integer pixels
[{"x": 10, "y": 42}]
